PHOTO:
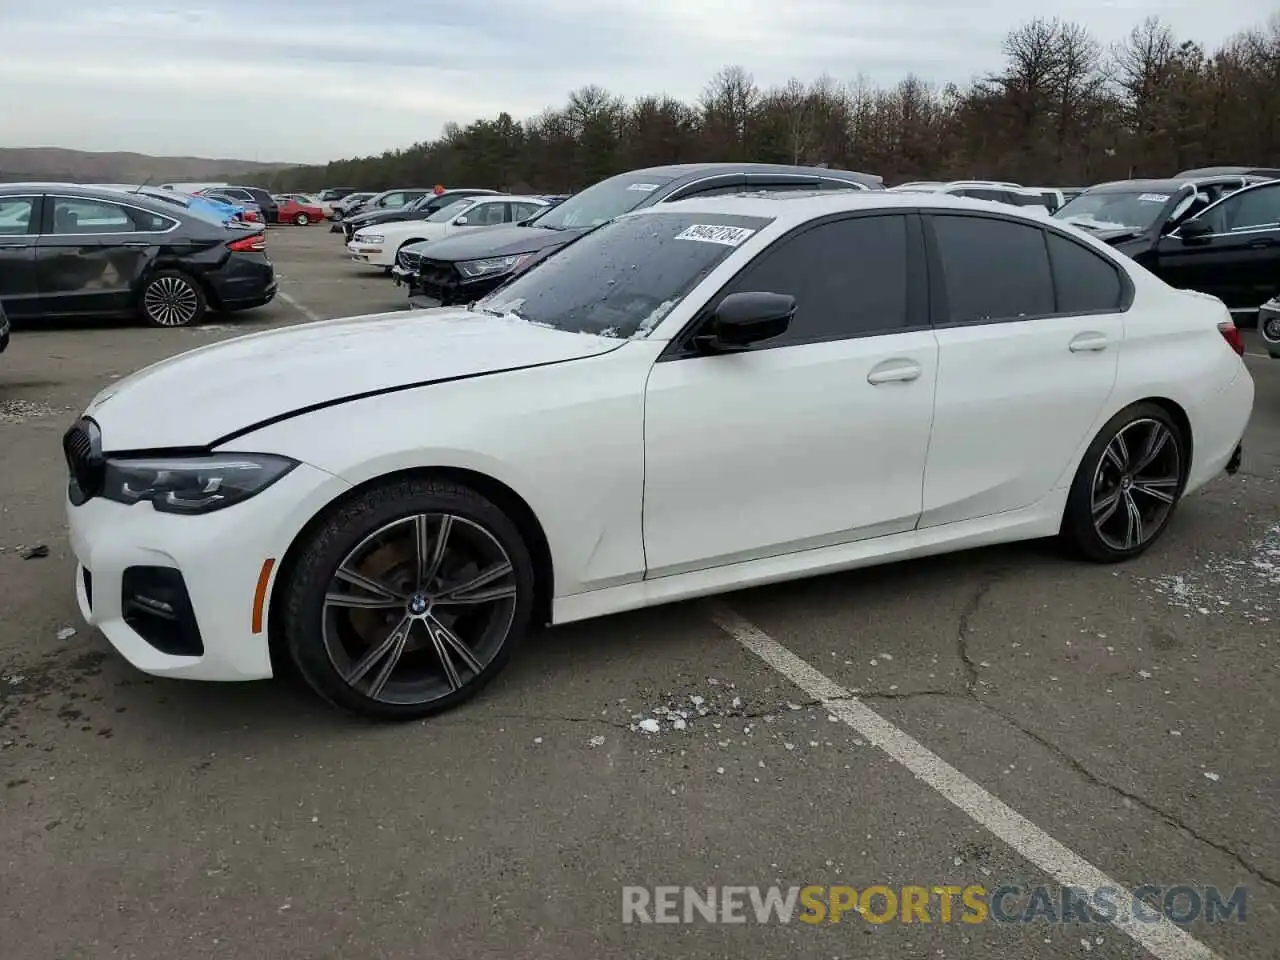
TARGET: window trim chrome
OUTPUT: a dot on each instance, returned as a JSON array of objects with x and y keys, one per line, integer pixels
[{"x": 119, "y": 203}]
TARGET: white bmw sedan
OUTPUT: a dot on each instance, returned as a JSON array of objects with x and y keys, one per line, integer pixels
[{"x": 697, "y": 397}]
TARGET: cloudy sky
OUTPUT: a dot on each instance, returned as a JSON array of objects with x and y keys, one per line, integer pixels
[{"x": 312, "y": 80}]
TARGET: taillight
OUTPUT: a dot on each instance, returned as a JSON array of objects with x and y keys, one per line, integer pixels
[
  {"x": 254, "y": 243},
  {"x": 1231, "y": 333}
]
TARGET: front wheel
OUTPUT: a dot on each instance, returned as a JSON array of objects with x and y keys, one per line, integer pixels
[
  {"x": 1127, "y": 486},
  {"x": 172, "y": 299},
  {"x": 408, "y": 599},
  {"x": 302, "y": 219}
]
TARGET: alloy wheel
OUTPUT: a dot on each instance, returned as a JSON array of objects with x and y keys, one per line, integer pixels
[
  {"x": 1136, "y": 484},
  {"x": 418, "y": 608},
  {"x": 171, "y": 302}
]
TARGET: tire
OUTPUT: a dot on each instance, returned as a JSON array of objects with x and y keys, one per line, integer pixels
[
  {"x": 301, "y": 219},
  {"x": 171, "y": 298},
  {"x": 378, "y": 652},
  {"x": 1121, "y": 477}
]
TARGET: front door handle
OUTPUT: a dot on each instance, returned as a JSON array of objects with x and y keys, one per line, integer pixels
[
  {"x": 135, "y": 243},
  {"x": 893, "y": 371},
  {"x": 1090, "y": 341}
]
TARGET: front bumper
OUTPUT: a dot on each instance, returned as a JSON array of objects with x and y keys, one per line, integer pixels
[
  {"x": 367, "y": 253},
  {"x": 219, "y": 556},
  {"x": 1269, "y": 326}
]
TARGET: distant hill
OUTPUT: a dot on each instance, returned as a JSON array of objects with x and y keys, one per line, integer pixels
[{"x": 78, "y": 166}]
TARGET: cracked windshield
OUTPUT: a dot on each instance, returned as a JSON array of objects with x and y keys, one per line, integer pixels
[{"x": 802, "y": 483}]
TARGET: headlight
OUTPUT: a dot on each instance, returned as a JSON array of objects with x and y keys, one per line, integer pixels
[
  {"x": 368, "y": 238},
  {"x": 193, "y": 484},
  {"x": 495, "y": 265}
]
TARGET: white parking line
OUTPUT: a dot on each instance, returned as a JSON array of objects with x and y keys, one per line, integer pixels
[
  {"x": 305, "y": 311},
  {"x": 1260, "y": 356},
  {"x": 1162, "y": 938}
]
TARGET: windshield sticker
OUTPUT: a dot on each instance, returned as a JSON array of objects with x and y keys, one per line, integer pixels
[
  {"x": 1154, "y": 197},
  {"x": 643, "y": 187},
  {"x": 714, "y": 233}
]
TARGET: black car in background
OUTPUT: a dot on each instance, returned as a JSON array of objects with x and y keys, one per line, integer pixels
[
  {"x": 1269, "y": 326},
  {"x": 418, "y": 209},
  {"x": 334, "y": 194},
  {"x": 4, "y": 329},
  {"x": 255, "y": 195},
  {"x": 1219, "y": 235},
  {"x": 463, "y": 268},
  {"x": 1265, "y": 173},
  {"x": 72, "y": 250}
]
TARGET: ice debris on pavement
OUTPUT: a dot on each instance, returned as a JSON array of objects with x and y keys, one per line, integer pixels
[
  {"x": 66, "y": 633},
  {"x": 1244, "y": 584}
]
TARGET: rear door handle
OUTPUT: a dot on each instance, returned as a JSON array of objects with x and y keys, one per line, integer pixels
[
  {"x": 1091, "y": 341},
  {"x": 1259, "y": 244},
  {"x": 892, "y": 371},
  {"x": 134, "y": 243}
]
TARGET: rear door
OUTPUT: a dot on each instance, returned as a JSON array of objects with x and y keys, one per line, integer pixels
[
  {"x": 19, "y": 225},
  {"x": 92, "y": 253},
  {"x": 1028, "y": 349}
]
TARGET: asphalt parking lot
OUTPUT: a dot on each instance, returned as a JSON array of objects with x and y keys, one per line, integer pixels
[{"x": 1127, "y": 713}]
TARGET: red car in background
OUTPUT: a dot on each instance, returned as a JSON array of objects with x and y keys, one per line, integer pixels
[{"x": 291, "y": 211}]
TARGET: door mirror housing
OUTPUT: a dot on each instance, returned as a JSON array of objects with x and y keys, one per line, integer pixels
[
  {"x": 742, "y": 319},
  {"x": 461, "y": 220},
  {"x": 1194, "y": 230}
]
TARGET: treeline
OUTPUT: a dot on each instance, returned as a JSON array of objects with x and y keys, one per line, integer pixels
[{"x": 1063, "y": 110}]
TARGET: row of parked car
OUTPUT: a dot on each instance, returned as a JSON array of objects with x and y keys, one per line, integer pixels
[{"x": 1216, "y": 230}]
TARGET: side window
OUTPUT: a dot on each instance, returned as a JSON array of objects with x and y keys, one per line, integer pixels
[
  {"x": 1084, "y": 280},
  {"x": 849, "y": 279},
  {"x": 15, "y": 216},
  {"x": 239, "y": 194},
  {"x": 89, "y": 216},
  {"x": 523, "y": 211},
  {"x": 993, "y": 269},
  {"x": 1256, "y": 209},
  {"x": 151, "y": 222},
  {"x": 781, "y": 186},
  {"x": 486, "y": 214},
  {"x": 393, "y": 200},
  {"x": 840, "y": 185}
]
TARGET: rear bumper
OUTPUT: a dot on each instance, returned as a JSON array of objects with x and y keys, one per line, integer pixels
[
  {"x": 1218, "y": 424},
  {"x": 245, "y": 280}
]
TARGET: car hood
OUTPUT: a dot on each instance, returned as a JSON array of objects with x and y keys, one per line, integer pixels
[
  {"x": 498, "y": 242},
  {"x": 200, "y": 398}
]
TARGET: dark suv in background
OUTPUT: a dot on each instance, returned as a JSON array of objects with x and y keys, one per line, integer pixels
[
  {"x": 255, "y": 195},
  {"x": 463, "y": 268}
]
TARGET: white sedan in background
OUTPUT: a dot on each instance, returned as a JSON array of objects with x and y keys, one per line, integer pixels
[
  {"x": 379, "y": 245},
  {"x": 696, "y": 397}
]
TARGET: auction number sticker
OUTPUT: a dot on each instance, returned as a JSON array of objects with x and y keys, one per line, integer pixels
[
  {"x": 1154, "y": 197},
  {"x": 714, "y": 233},
  {"x": 643, "y": 187}
]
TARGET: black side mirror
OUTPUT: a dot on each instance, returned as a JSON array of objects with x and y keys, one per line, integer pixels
[
  {"x": 1194, "y": 230},
  {"x": 742, "y": 319}
]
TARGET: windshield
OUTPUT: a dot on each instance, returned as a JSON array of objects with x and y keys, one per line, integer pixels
[
  {"x": 606, "y": 200},
  {"x": 622, "y": 279},
  {"x": 1115, "y": 210},
  {"x": 449, "y": 211}
]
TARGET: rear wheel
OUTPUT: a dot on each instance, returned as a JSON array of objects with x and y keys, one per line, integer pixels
[
  {"x": 301, "y": 219},
  {"x": 1128, "y": 485},
  {"x": 172, "y": 299},
  {"x": 408, "y": 600}
]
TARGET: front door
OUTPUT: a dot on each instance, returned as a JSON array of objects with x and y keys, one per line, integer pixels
[
  {"x": 19, "y": 224},
  {"x": 815, "y": 438},
  {"x": 1238, "y": 261},
  {"x": 90, "y": 255},
  {"x": 1029, "y": 330}
]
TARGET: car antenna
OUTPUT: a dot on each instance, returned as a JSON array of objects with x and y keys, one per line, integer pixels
[{"x": 138, "y": 188}]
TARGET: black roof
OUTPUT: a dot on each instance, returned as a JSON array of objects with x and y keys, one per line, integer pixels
[
  {"x": 1232, "y": 171},
  {"x": 689, "y": 171},
  {"x": 1165, "y": 185},
  {"x": 88, "y": 192}
]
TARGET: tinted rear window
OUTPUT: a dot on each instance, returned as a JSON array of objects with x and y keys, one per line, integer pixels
[{"x": 622, "y": 279}]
